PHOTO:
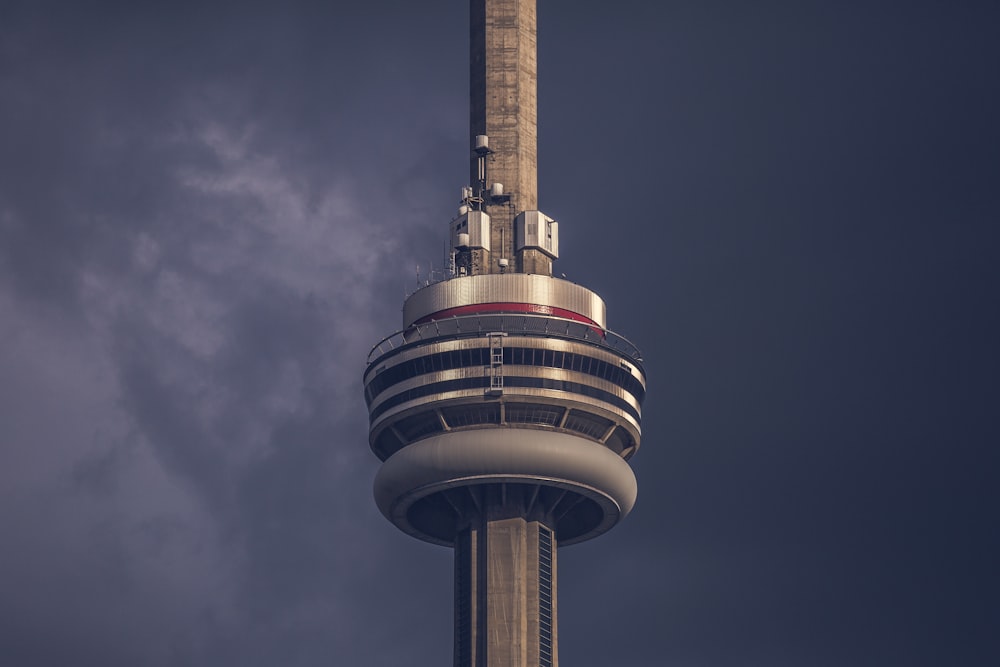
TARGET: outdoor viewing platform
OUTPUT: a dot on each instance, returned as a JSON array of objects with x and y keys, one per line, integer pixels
[{"x": 468, "y": 326}]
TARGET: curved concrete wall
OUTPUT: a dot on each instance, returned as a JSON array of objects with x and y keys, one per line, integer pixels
[
  {"x": 464, "y": 458},
  {"x": 515, "y": 288}
]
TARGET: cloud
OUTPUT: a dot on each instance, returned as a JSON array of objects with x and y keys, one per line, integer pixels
[
  {"x": 199, "y": 226},
  {"x": 185, "y": 323}
]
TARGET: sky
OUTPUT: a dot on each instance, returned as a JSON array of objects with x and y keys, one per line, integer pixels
[{"x": 210, "y": 211}]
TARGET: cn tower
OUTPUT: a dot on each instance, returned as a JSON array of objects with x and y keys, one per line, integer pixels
[{"x": 505, "y": 410}]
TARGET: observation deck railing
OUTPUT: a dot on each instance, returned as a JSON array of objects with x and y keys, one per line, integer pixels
[{"x": 530, "y": 325}]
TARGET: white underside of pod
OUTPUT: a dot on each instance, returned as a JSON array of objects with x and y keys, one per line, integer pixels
[{"x": 493, "y": 455}]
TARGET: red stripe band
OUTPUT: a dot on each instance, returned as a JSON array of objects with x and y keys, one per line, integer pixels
[{"x": 530, "y": 308}]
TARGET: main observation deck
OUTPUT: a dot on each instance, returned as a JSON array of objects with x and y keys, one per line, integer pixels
[{"x": 511, "y": 363}]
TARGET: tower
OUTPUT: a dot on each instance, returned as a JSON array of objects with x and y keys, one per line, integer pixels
[{"x": 504, "y": 411}]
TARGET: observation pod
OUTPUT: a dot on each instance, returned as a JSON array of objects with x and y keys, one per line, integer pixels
[{"x": 504, "y": 390}]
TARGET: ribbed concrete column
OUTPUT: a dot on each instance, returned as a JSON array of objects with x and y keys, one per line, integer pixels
[{"x": 505, "y": 614}]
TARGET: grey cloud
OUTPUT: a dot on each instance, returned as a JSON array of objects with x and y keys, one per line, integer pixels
[
  {"x": 210, "y": 211},
  {"x": 154, "y": 210}
]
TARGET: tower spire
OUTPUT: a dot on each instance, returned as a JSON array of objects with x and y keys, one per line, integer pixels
[
  {"x": 503, "y": 93},
  {"x": 503, "y": 77}
]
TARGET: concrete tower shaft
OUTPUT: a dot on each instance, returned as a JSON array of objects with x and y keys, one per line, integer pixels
[
  {"x": 504, "y": 107},
  {"x": 504, "y": 98}
]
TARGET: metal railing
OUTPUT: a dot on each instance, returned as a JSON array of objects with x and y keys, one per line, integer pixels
[{"x": 530, "y": 325}]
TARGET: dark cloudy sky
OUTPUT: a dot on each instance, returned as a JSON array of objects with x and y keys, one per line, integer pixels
[{"x": 209, "y": 211}]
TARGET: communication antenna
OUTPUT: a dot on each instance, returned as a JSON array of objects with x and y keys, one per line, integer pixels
[{"x": 482, "y": 149}]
